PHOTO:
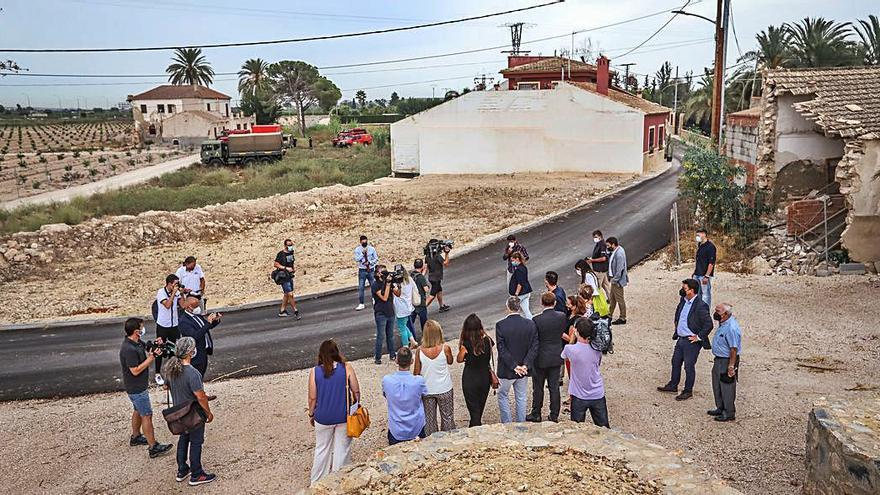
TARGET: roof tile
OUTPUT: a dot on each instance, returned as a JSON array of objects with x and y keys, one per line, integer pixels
[
  {"x": 552, "y": 64},
  {"x": 179, "y": 91},
  {"x": 630, "y": 100}
]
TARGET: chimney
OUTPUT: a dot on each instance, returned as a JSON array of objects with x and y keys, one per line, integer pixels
[{"x": 602, "y": 75}]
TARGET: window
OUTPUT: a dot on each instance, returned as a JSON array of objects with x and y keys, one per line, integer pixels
[
  {"x": 171, "y": 108},
  {"x": 238, "y": 127},
  {"x": 209, "y": 106},
  {"x": 651, "y": 131},
  {"x": 160, "y": 108},
  {"x": 660, "y": 135},
  {"x": 143, "y": 109},
  {"x": 528, "y": 85},
  {"x": 245, "y": 125},
  {"x": 227, "y": 109},
  {"x": 152, "y": 130}
]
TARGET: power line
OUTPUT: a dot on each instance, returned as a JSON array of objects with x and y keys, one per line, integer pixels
[
  {"x": 282, "y": 41},
  {"x": 658, "y": 30}
]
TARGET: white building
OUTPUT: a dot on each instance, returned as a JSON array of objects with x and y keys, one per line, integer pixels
[{"x": 184, "y": 113}]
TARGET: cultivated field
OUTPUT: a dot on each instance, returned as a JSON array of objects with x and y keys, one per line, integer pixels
[{"x": 64, "y": 136}]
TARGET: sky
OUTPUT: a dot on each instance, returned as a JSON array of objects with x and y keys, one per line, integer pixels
[{"x": 686, "y": 42}]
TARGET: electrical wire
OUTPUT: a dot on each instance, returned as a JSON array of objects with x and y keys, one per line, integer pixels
[
  {"x": 281, "y": 41},
  {"x": 733, "y": 26},
  {"x": 661, "y": 28}
]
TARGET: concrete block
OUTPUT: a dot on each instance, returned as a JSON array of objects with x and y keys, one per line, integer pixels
[{"x": 852, "y": 269}]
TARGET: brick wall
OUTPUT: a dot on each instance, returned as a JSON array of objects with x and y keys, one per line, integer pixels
[{"x": 803, "y": 214}]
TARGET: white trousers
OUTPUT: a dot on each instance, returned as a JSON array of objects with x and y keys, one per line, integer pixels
[{"x": 332, "y": 449}]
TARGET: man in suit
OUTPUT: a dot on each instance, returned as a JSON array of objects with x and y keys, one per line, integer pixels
[
  {"x": 692, "y": 327},
  {"x": 550, "y": 325},
  {"x": 517, "y": 347},
  {"x": 619, "y": 277},
  {"x": 199, "y": 328}
]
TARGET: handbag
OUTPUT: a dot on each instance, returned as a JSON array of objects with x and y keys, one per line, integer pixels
[
  {"x": 184, "y": 417},
  {"x": 360, "y": 420}
]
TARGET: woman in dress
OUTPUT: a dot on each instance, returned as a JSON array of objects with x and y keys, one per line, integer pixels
[
  {"x": 475, "y": 351},
  {"x": 433, "y": 359}
]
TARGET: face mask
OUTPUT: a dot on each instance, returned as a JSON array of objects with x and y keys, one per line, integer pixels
[
  {"x": 143, "y": 331},
  {"x": 510, "y": 244},
  {"x": 578, "y": 272},
  {"x": 682, "y": 293},
  {"x": 195, "y": 351},
  {"x": 699, "y": 239},
  {"x": 610, "y": 249},
  {"x": 290, "y": 248},
  {"x": 716, "y": 316},
  {"x": 364, "y": 244},
  {"x": 514, "y": 263},
  {"x": 597, "y": 239}
]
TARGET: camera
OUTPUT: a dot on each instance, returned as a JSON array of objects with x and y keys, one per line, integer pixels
[
  {"x": 396, "y": 276},
  {"x": 166, "y": 348},
  {"x": 435, "y": 246}
]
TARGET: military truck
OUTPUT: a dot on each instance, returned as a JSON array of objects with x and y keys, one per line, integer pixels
[{"x": 243, "y": 149}]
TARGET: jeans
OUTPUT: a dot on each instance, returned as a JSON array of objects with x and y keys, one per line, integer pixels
[
  {"x": 141, "y": 403},
  {"x": 192, "y": 442},
  {"x": 705, "y": 290},
  {"x": 385, "y": 324},
  {"x": 520, "y": 387},
  {"x": 685, "y": 353},
  {"x": 597, "y": 407},
  {"x": 420, "y": 313},
  {"x": 364, "y": 275},
  {"x": 524, "y": 305},
  {"x": 332, "y": 449},
  {"x": 403, "y": 328}
]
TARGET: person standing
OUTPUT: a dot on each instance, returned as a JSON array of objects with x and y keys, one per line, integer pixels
[
  {"x": 192, "y": 281},
  {"x": 199, "y": 328},
  {"x": 329, "y": 382},
  {"x": 403, "y": 308},
  {"x": 433, "y": 359},
  {"x": 167, "y": 317},
  {"x": 475, "y": 351},
  {"x": 513, "y": 246},
  {"x": 519, "y": 286},
  {"x": 285, "y": 260},
  {"x": 136, "y": 361},
  {"x": 586, "y": 387},
  {"x": 727, "y": 349},
  {"x": 366, "y": 258},
  {"x": 551, "y": 324},
  {"x": 704, "y": 269},
  {"x": 692, "y": 326},
  {"x": 436, "y": 262},
  {"x": 186, "y": 385},
  {"x": 404, "y": 392},
  {"x": 383, "y": 312},
  {"x": 617, "y": 272},
  {"x": 599, "y": 261},
  {"x": 420, "y": 310},
  {"x": 551, "y": 281},
  {"x": 517, "y": 349}
]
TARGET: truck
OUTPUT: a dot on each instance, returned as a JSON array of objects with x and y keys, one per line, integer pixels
[{"x": 243, "y": 149}]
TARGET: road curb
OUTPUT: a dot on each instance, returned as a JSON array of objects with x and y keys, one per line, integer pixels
[{"x": 476, "y": 245}]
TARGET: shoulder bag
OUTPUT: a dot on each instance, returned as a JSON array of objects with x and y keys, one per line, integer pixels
[
  {"x": 185, "y": 417},
  {"x": 494, "y": 382},
  {"x": 360, "y": 420}
]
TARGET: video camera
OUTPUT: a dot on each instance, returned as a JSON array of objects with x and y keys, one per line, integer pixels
[
  {"x": 167, "y": 348},
  {"x": 396, "y": 276},
  {"x": 435, "y": 246}
]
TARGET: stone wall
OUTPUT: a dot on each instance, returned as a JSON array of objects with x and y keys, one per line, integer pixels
[
  {"x": 843, "y": 448},
  {"x": 621, "y": 463}
]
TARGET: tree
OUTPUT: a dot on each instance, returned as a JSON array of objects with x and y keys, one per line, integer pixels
[
  {"x": 189, "y": 66},
  {"x": 300, "y": 84},
  {"x": 252, "y": 77},
  {"x": 869, "y": 32},
  {"x": 450, "y": 95},
  {"x": 665, "y": 85},
  {"x": 394, "y": 98},
  {"x": 261, "y": 104},
  {"x": 361, "y": 97},
  {"x": 773, "y": 51},
  {"x": 816, "y": 42},
  {"x": 699, "y": 103}
]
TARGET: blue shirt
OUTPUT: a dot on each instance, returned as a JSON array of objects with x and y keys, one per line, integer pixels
[
  {"x": 560, "y": 300},
  {"x": 372, "y": 258},
  {"x": 682, "y": 329},
  {"x": 728, "y": 336},
  {"x": 403, "y": 391}
]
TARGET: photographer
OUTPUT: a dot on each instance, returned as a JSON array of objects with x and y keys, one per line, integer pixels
[
  {"x": 136, "y": 363},
  {"x": 383, "y": 310},
  {"x": 284, "y": 260},
  {"x": 199, "y": 328},
  {"x": 420, "y": 310},
  {"x": 192, "y": 280},
  {"x": 167, "y": 317},
  {"x": 437, "y": 258}
]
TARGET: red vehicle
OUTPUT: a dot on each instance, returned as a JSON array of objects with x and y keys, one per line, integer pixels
[
  {"x": 261, "y": 129},
  {"x": 357, "y": 135}
]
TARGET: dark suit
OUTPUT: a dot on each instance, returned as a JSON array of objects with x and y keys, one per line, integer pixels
[
  {"x": 197, "y": 327},
  {"x": 551, "y": 325},
  {"x": 686, "y": 352},
  {"x": 517, "y": 345}
]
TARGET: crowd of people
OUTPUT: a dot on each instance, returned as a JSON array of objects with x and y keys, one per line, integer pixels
[{"x": 569, "y": 337}]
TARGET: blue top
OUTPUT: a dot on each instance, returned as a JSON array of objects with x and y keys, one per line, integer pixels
[
  {"x": 705, "y": 256},
  {"x": 682, "y": 329},
  {"x": 403, "y": 392},
  {"x": 368, "y": 261},
  {"x": 331, "y": 408},
  {"x": 520, "y": 276},
  {"x": 728, "y": 335},
  {"x": 560, "y": 300}
]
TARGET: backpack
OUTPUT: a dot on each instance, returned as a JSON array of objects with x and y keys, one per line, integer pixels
[
  {"x": 154, "y": 309},
  {"x": 604, "y": 341}
]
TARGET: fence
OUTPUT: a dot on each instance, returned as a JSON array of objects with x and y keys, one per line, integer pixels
[{"x": 371, "y": 119}]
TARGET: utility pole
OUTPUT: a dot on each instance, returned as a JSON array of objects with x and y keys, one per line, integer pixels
[
  {"x": 675, "y": 105},
  {"x": 723, "y": 75},
  {"x": 723, "y": 7},
  {"x": 626, "y": 74}
]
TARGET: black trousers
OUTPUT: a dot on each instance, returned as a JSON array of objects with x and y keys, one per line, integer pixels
[
  {"x": 550, "y": 376},
  {"x": 476, "y": 391},
  {"x": 168, "y": 334},
  {"x": 202, "y": 366}
]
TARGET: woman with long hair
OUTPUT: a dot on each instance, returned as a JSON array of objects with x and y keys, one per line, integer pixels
[
  {"x": 328, "y": 409},
  {"x": 433, "y": 359},
  {"x": 403, "y": 309},
  {"x": 186, "y": 385},
  {"x": 475, "y": 351}
]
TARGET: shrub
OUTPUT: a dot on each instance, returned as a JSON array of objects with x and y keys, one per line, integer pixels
[
  {"x": 35, "y": 184},
  {"x": 60, "y": 156},
  {"x": 76, "y": 154},
  {"x": 101, "y": 159}
]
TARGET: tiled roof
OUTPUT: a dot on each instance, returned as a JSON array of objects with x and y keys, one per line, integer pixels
[
  {"x": 179, "y": 91},
  {"x": 749, "y": 114},
  {"x": 552, "y": 64},
  {"x": 649, "y": 107},
  {"x": 846, "y": 100}
]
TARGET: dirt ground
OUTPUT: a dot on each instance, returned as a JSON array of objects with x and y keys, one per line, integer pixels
[
  {"x": 462, "y": 208},
  {"x": 260, "y": 441}
]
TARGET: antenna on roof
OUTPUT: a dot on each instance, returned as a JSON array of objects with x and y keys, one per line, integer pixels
[{"x": 516, "y": 29}]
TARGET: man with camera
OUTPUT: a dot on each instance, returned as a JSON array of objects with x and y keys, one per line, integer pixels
[
  {"x": 284, "y": 262},
  {"x": 366, "y": 258},
  {"x": 165, "y": 312},
  {"x": 199, "y": 328},
  {"x": 418, "y": 276},
  {"x": 383, "y": 311},
  {"x": 192, "y": 280},
  {"x": 437, "y": 258},
  {"x": 136, "y": 361}
]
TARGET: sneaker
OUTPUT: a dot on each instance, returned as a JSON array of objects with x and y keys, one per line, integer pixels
[
  {"x": 160, "y": 449},
  {"x": 296, "y": 314},
  {"x": 159, "y": 380},
  {"x": 359, "y": 307},
  {"x": 619, "y": 321},
  {"x": 182, "y": 475},
  {"x": 444, "y": 308},
  {"x": 377, "y": 361},
  {"x": 283, "y": 314},
  {"x": 138, "y": 441},
  {"x": 202, "y": 479}
]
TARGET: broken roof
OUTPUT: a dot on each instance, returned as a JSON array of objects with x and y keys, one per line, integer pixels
[
  {"x": 179, "y": 91},
  {"x": 846, "y": 100},
  {"x": 551, "y": 64},
  {"x": 630, "y": 100},
  {"x": 206, "y": 116}
]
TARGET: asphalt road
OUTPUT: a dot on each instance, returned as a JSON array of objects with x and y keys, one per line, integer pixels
[{"x": 69, "y": 361}]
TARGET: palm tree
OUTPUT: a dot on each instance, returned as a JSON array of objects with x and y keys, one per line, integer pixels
[
  {"x": 816, "y": 42},
  {"x": 772, "y": 52},
  {"x": 190, "y": 67},
  {"x": 869, "y": 32},
  {"x": 253, "y": 76},
  {"x": 699, "y": 103}
]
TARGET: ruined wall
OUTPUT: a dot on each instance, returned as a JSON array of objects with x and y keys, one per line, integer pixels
[
  {"x": 741, "y": 147},
  {"x": 859, "y": 181}
]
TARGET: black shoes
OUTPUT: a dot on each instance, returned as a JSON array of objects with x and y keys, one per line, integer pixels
[
  {"x": 377, "y": 361},
  {"x": 283, "y": 314},
  {"x": 724, "y": 418},
  {"x": 298, "y": 317},
  {"x": 202, "y": 479},
  {"x": 138, "y": 441},
  {"x": 182, "y": 475},
  {"x": 533, "y": 418},
  {"x": 667, "y": 388},
  {"x": 684, "y": 395},
  {"x": 444, "y": 308},
  {"x": 160, "y": 449},
  {"x": 715, "y": 412},
  {"x": 619, "y": 321}
]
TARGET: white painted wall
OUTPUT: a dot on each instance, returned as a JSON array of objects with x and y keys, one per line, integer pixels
[
  {"x": 796, "y": 138},
  {"x": 866, "y": 199},
  {"x": 488, "y": 132}
]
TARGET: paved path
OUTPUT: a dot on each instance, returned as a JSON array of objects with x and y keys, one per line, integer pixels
[
  {"x": 116, "y": 182},
  {"x": 82, "y": 359}
]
